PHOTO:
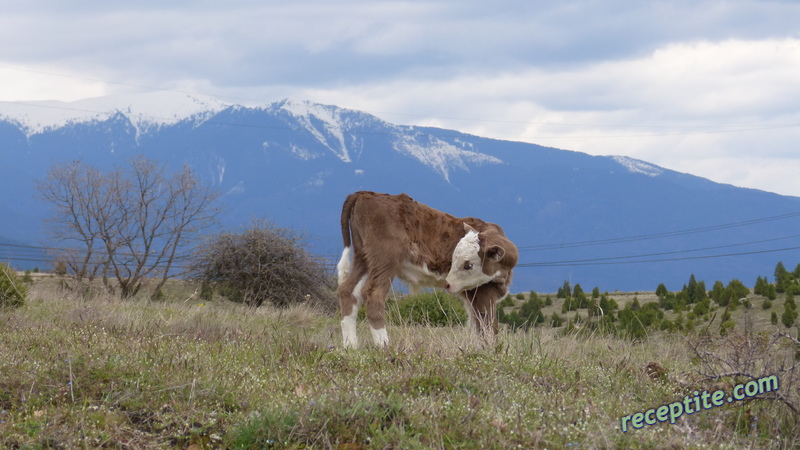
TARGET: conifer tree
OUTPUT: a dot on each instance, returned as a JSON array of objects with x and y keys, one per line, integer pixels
[
  {"x": 717, "y": 293},
  {"x": 761, "y": 286},
  {"x": 771, "y": 293},
  {"x": 691, "y": 289},
  {"x": 564, "y": 291},
  {"x": 788, "y": 317},
  {"x": 579, "y": 297},
  {"x": 790, "y": 301},
  {"x": 789, "y": 310},
  {"x": 781, "y": 277}
]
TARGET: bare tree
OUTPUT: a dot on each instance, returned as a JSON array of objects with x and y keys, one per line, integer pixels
[
  {"x": 76, "y": 192},
  {"x": 130, "y": 224}
]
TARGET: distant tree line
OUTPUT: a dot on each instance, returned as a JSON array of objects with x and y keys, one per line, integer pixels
[{"x": 694, "y": 305}]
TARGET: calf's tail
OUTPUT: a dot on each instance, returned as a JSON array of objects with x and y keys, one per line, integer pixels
[{"x": 345, "y": 265}]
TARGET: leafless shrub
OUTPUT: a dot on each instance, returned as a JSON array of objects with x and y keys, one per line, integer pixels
[{"x": 261, "y": 264}]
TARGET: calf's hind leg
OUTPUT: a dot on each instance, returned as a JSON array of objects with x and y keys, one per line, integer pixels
[
  {"x": 350, "y": 300},
  {"x": 375, "y": 291}
]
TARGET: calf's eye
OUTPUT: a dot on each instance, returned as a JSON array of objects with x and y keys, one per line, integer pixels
[{"x": 467, "y": 265}]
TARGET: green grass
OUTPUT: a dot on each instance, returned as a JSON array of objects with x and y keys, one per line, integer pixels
[{"x": 137, "y": 374}]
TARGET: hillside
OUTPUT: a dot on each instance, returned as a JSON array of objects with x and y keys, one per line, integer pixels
[{"x": 587, "y": 219}]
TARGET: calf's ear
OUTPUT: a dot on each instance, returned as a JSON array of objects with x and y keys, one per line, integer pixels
[{"x": 495, "y": 252}]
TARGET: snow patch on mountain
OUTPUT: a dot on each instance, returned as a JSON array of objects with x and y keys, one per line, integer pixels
[
  {"x": 638, "y": 166},
  {"x": 144, "y": 111},
  {"x": 438, "y": 154},
  {"x": 328, "y": 124},
  {"x": 304, "y": 153}
]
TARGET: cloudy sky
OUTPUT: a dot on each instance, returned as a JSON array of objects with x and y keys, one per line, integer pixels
[{"x": 706, "y": 87}]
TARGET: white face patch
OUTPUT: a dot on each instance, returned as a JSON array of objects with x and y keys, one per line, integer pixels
[{"x": 466, "y": 271}]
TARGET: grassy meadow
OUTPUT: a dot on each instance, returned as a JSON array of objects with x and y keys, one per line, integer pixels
[{"x": 183, "y": 373}]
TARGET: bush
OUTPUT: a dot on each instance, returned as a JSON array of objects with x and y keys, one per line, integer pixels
[
  {"x": 263, "y": 264},
  {"x": 667, "y": 301},
  {"x": 506, "y": 302},
  {"x": 761, "y": 286},
  {"x": 635, "y": 319},
  {"x": 788, "y": 317},
  {"x": 60, "y": 268},
  {"x": 608, "y": 305},
  {"x": 702, "y": 307},
  {"x": 27, "y": 278},
  {"x": 736, "y": 290},
  {"x": 529, "y": 314},
  {"x": 13, "y": 291},
  {"x": 771, "y": 294},
  {"x": 726, "y": 327},
  {"x": 606, "y": 324},
  {"x": 434, "y": 308}
]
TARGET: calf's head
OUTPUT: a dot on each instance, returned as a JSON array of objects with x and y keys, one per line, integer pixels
[{"x": 480, "y": 258}]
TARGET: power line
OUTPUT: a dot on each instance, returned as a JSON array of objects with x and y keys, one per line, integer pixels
[
  {"x": 608, "y": 241},
  {"x": 32, "y": 253},
  {"x": 49, "y": 255},
  {"x": 579, "y": 262},
  {"x": 674, "y": 252},
  {"x": 570, "y": 263}
]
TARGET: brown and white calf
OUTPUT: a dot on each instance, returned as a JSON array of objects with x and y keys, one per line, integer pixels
[{"x": 390, "y": 236}]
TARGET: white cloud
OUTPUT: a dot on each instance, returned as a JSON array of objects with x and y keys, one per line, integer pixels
[
  {"x": 652, "y": 80},
  {"x": 687, "y": 106},
  {"x": 38, "y": 83}
]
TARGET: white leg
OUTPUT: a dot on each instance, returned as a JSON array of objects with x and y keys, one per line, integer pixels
[
  {"x": 349, "y": 336},
  {"x": 380, "y": 337}
]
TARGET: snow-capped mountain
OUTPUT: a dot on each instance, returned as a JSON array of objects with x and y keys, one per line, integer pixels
[
  {"x": 143, "y": 110},
  {"x": 293, "y": 162}
]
